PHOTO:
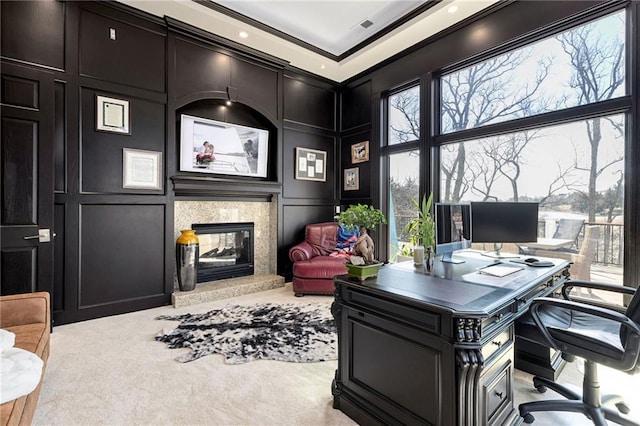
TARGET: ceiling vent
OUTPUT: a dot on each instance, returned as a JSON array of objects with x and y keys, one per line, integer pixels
[{"x": 366, "y": 24}]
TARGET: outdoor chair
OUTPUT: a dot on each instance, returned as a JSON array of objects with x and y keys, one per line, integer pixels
[
  {"x": 568, "y": 229},
  {"x": 580, "y": 259}
]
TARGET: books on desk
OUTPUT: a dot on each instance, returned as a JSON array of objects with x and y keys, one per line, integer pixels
[{"x": 499, "y": 270}]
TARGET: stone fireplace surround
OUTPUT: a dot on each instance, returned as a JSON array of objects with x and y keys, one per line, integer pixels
[{"x": 264, "y": 216}]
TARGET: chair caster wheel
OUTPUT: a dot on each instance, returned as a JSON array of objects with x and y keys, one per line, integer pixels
[
  {"x": 623, "y": 408},
  {"x": 528, "y": 418},
  {"x": 541, "y": 388}
]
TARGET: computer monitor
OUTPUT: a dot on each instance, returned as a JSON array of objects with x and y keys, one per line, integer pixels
[
  {"x": 503, "y": 222},
  {"x": 453, "y": 231}
]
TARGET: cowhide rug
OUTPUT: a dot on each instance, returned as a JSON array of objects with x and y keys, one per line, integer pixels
[{"x": 289, "y": 332}]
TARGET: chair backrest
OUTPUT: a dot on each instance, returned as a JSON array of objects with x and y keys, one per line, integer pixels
[
  {"x": 323, "y": 237},
  {"x": 568, "y": 229}
]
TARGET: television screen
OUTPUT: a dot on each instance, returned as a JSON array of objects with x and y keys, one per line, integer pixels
[
  {"x": 210, "y": 146},
  {"x": 452, "y": 229},
  {"x": 504, "y": 222}
]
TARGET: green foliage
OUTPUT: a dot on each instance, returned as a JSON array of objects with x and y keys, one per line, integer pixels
[
  {"x": 361, "y": 215},
  {"x": 421, "y": 230}
]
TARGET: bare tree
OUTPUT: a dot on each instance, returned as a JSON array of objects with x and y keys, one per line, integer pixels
[
  {"x": 597, "y": 72},
  {"x": 482, "y": 94},
  {"x": 407, "y": 103}
]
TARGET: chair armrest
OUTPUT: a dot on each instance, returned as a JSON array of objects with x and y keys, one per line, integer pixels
[
  {"x": 566, "y": 288},
  {"x": 27, "y": 308},
  {"x": 302, "y": 251}
]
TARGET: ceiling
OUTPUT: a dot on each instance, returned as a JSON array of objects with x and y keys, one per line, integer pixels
[{"x": 325, "y": 37}]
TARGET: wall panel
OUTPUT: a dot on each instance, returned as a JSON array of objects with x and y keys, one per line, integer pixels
[
  {"x": 296, "y": 188},
  {"x": 199, "y": 68},
  {"x": 101, "y": 152},
  {"x": 309, "y": 104},
  {"x": 122, "y": 255},
  {"x": 136, "y": 57},
  {"x": 33, "y": 31}
]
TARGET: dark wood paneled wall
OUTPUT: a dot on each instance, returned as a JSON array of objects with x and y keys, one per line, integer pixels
[{"x": 114, "y": 247}]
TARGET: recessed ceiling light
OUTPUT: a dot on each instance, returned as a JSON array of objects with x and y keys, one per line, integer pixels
[
  {"x": 243, "y": 34},
  {"x": 452, "y": 9},
  {"x": 322, "y": 66},
  {"x": 228, "y": 103}
]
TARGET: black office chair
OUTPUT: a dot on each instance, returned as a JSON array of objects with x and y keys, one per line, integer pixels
[{"x": 595, "y": 331}]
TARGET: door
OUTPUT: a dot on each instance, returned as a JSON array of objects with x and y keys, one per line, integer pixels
[{"x": 27, "y": 161}]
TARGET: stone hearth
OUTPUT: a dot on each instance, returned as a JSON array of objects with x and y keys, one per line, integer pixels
[{"x": 223, "y": 289}]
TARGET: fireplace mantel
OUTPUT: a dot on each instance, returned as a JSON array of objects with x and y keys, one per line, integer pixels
[{"x": 224, "y": 189}]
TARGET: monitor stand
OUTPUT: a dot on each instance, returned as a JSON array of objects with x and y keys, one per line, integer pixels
[
  {"x": 497, "y": 254},
  {"x": 448, "y": 258}
]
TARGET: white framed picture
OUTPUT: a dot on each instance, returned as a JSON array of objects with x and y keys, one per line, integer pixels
[
  {"x": 141, "y": 169},
  {"x": 112, "y": 115}
]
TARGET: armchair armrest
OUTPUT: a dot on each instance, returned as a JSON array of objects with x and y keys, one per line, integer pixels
[
  {"x": 301, "y": 251},
  {"x": 629, "y": 356},
  {"x": 27, "y": 308}
]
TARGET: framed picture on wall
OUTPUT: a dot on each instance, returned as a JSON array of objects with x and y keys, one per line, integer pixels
[
  {"x": 112, "y": 115},
  {"x": 141, "y": 169},
  {"x": 360, "y": 152},
  {"x": 352, "y": 179},
  {"x": 311, "y": 164}
]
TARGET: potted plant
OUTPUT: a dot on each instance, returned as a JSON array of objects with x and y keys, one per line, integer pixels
[
  {"x": 421, "y": 230},
  {"x": 362, "y": 263}
]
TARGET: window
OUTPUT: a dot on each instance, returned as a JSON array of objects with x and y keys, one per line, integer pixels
[
  {"x": 577, "y": 67},
  {"x": 404, "y": 116},
  {"x": 575, "y": 170},
  {"x": 404, "y": 169}
]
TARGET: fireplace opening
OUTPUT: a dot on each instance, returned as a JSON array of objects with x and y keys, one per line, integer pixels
[{"x": 226, "y": 250}]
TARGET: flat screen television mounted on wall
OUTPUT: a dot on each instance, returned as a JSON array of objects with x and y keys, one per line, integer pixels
[{"x": 210, "y": 146}]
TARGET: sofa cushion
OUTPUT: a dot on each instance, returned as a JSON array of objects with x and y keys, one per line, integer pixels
[{"x": 320, "y": 267}]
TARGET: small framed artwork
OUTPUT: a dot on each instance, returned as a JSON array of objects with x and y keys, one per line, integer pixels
[
  {"x": 141, "y": 169},
  {"x": 360, "y": 152},
  {"x": 311, "y": 164},
  {"x": 112, "y": 115},
  {"x": 352, "y": 179}
]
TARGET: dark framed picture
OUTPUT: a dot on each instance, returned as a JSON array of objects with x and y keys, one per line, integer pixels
[
  {"x": 360, "y": 152},
  {"x": 352, "y": 179},
  {"x": 311, "y": 164},
  {"x": 112, "y": 115}
]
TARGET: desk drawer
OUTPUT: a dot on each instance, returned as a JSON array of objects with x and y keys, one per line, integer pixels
[
  {"x": 498, "y": 344},
  {"x": 430, "y": 321}
]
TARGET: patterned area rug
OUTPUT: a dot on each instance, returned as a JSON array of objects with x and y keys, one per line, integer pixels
[{"x": 289, "y": 332}]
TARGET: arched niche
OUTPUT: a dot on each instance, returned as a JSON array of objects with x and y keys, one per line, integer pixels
[{"x": 220, "y": 109}]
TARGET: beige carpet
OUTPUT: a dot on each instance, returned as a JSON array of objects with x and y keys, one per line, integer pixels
[{"x": 111, "y": 371}]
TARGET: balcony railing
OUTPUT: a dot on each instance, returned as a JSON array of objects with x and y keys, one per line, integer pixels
[{"x": 609, "y": 247}]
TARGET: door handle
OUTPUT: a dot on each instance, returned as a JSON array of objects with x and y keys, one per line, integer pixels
[{"x": 44, "y": 236}]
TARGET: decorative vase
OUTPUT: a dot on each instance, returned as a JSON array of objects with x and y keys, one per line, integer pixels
[
  {"x": 187, "y": 254},
  {"x": 429, "y": 257}
]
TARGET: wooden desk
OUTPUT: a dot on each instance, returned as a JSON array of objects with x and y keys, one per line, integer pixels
[{"x": 432, "y": 349}]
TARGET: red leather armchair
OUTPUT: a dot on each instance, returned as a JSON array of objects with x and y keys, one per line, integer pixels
[{"x": 313, "y": 268}]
